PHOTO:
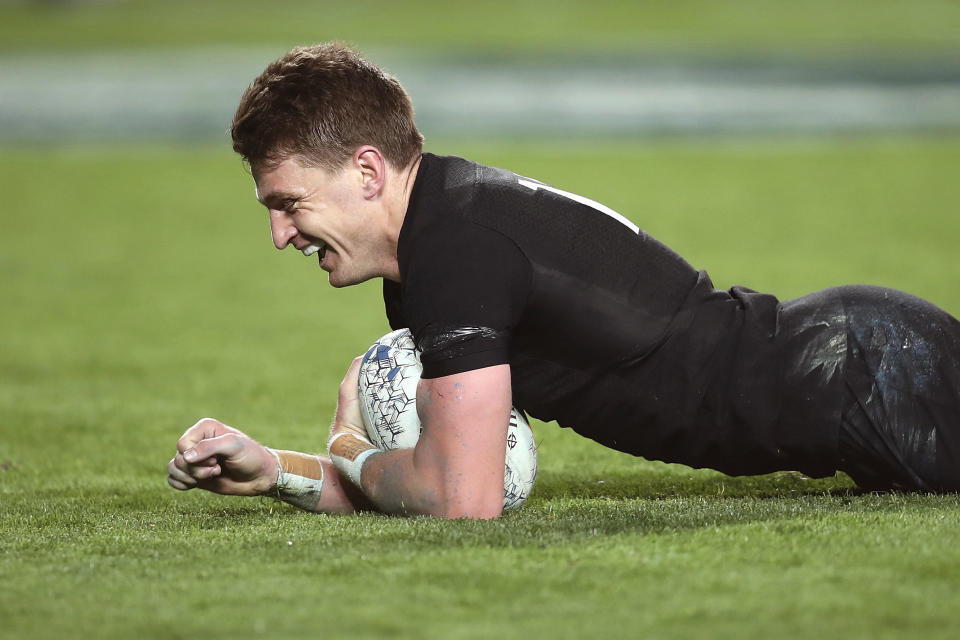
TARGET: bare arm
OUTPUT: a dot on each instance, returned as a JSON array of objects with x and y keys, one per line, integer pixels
[
  {"x": 224, "y": 460},
  {"x": 456, "y": 469}
]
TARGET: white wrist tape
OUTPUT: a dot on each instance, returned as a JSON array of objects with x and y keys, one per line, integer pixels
[
  {"x": 299, "y": 478},
  {"x": 349, "y": 451}
]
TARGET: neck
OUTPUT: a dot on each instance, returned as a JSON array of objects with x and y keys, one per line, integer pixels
[{"x": 406, "y": 178}]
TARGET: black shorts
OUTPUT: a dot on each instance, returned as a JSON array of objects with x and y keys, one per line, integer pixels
[{"x": 901, "y": 417}]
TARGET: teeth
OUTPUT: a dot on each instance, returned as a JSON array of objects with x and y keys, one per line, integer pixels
[{"x": 312, "y": 249}]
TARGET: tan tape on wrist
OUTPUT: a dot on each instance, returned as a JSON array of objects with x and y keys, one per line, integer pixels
[
  {"x": 348, "y": 452},
  {"x": 299, "y": 478}
]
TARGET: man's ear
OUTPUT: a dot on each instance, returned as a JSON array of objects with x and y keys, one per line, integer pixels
[{"x": 373, "y": 170}]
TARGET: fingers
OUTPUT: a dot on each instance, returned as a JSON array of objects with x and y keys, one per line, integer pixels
[
  {"x": 214, "y": 456},
  {"x": 203, "y": 429},
  {"x": 226, "y": 445},
  {"x": 182, "y": 475},
  {"x": 348, "y": 386},
  {"x": 353, "y": 372},
  {"x": 179, "y": 479}
]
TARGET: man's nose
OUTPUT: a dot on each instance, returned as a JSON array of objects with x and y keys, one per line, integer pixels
[{"x": 281, "y": 229}]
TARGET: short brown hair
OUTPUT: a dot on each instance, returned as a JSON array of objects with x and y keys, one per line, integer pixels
[{"x": 321, "y": 103}]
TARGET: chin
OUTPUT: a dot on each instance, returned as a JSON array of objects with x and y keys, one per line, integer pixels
[{"x": 338, "y": 282}]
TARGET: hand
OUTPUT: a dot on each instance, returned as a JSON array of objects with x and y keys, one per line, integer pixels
[
  {"x": 221, "y": 459},
  {"x": 348, "y": 418}
]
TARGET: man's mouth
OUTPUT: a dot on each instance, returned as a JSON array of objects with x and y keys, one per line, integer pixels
[{"x": 313, "y": 248}]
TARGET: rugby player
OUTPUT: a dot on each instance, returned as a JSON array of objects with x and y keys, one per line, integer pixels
[{"x": 519, "y": 293}]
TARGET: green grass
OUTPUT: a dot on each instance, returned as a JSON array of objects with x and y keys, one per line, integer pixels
[
  {"x": 140, "y": 291},
  {"x": 817, "y": 27}
]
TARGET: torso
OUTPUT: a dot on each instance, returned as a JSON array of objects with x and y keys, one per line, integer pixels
[{"x": 608, "y": 331}]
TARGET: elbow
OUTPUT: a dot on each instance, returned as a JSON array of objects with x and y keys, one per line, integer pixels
[
  {"x": 471, "y": 512},
  {"x": 470, "y": 501},
  {"x": 484, "y": 507}
]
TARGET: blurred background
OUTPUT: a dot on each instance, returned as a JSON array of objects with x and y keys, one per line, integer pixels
[{"x": 103, "y": 70}]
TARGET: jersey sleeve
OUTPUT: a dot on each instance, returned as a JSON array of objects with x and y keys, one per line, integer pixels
[{"x": 463, "y": 294}]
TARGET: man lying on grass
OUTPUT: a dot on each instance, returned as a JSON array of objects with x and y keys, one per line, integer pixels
[{"x": 519, "y": 293}]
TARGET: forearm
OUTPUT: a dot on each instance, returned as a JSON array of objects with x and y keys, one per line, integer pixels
[
  {"x": 456, "y": 469},
  {"x": 405, "y": 482},
  {"x": 392, "y": 482},
  {"x": 312, "y": 483},
  {"x": 339, "y": 496}
]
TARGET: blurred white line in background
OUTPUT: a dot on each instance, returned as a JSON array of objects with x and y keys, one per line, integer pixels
[{"x": 192, "y": 94}]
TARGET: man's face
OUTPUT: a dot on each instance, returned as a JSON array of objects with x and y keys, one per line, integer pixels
[{"x": 324, "y": 213}]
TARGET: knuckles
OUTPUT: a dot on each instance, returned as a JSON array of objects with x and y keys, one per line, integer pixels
[
  {"x": 232, "y": 442},
  {"x": 197, "y": 432}
]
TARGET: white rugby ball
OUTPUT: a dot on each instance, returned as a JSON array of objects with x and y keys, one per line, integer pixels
[{"x": 389, "y": 377}]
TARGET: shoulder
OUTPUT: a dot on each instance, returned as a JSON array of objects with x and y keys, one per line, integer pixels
[
  {"x": 445, "y": 183},
  {"x": 464, "y": 282},
  {"x": 450, "y": 226},
  {"x": 451, "y": 188}
]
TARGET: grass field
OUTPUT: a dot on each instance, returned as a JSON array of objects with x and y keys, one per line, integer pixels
[{"x": 141, "y": 292}]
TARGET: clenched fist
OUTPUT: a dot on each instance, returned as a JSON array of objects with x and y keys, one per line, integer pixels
[{"x": 221, "y": 459}]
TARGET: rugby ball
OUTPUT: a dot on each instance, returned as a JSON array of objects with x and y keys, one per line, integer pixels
[{"x": 389, "y": 376}]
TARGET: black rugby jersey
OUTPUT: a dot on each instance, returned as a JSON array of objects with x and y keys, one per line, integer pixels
[{"x": 608, "y": 331}]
